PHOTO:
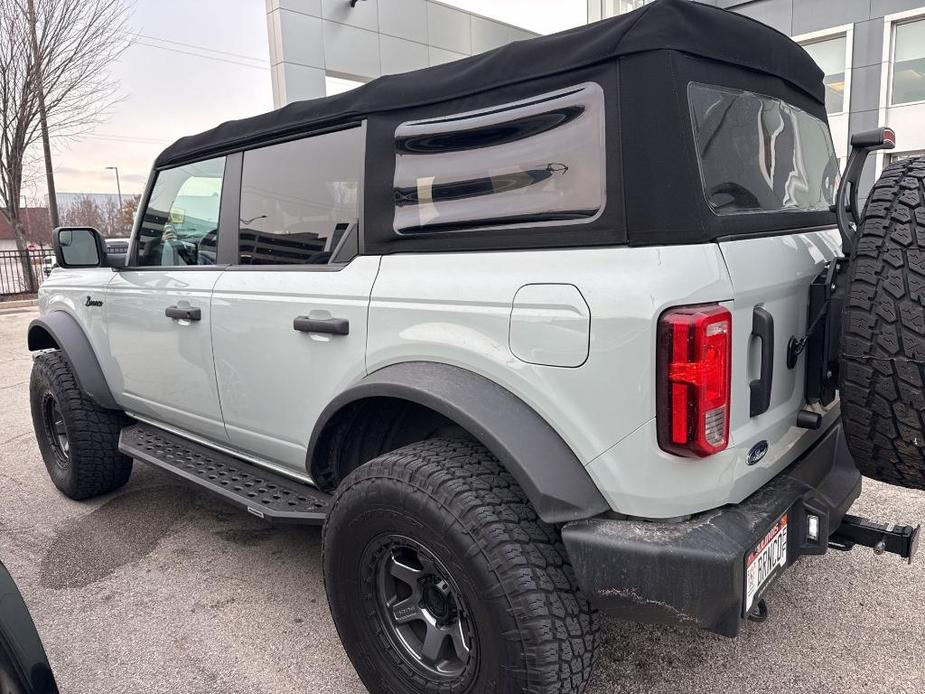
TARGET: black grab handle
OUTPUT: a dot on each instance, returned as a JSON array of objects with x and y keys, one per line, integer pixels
[
  {"x": 332, "y": 326},
  {"x": 763, "y": 329},
  {"x": 178, "y": 313}
]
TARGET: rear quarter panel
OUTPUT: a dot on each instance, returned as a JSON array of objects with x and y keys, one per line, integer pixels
[{"x": 456, "y": 309}]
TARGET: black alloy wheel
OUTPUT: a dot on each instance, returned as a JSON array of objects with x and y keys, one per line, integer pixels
[
  {"x": 420, "y": 607},
  {"x": 56, "y": 430}
]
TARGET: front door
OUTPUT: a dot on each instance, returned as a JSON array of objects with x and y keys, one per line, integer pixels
[
  {"x": 159, "y": 307},
  {"x": 289, "y": 318}
]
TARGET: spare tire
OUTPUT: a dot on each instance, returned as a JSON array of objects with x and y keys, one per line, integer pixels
[{"x": 882, "y": 351}]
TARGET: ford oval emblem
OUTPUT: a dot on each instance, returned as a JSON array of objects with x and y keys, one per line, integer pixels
[{"x": 758, "y": 451}]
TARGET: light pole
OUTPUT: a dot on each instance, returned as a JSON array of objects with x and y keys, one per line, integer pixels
[{"x": 119, "y": 189}]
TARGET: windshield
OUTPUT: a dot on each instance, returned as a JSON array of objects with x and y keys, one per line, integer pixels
[{"x": 760, "y": 154}]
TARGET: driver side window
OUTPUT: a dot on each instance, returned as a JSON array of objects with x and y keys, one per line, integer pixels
[{"x": 180, "y": 224}]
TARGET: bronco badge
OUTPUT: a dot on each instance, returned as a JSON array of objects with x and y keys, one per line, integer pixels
[{"x": 93, "y": 302}]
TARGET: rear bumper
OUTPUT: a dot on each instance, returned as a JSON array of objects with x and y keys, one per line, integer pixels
[{"x": 692, "y": 573}]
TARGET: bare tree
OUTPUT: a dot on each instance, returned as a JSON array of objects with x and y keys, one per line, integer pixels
[
  {"x": 103, "y": 214},
  {"x": 129, "y": 209},
  {"x": 84, "y": 211},
  {"x": 78, "y": 40}
]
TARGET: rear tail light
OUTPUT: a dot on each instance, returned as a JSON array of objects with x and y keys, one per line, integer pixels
[{"x": 694, "y": 355}]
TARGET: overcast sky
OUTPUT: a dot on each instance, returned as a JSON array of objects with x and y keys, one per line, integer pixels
[{"x": 187, "y": 72}]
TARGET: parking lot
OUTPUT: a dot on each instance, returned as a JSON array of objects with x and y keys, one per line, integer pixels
[{"x": 160, "y": 588}]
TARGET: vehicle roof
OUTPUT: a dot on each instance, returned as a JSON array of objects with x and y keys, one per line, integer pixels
[{"x": 678, "y": 25}]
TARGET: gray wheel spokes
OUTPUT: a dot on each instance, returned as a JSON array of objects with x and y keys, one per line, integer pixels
[
  {"x": 405, "y": 573},
  {"x": 56, "y": 429},
  {"x": 422, "y": 610},
  {"x": 433, "y": 643},
  {"x": 60, "y": 431},
  {"x": 459, "y": 637},
  {"x": 407, "y": 610}
]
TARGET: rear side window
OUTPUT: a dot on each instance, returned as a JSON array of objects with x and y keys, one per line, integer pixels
[
  {"x": 760, "y": 154},
  {"x": 300, "y": 200},
  {"x": 528, "y": 163}
]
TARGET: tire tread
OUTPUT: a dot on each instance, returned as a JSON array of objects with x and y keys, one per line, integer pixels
[
  {"x": 97, "y": 466},
  {"x": 558, "y": 627},
  {"x": 882, "y": 360}
]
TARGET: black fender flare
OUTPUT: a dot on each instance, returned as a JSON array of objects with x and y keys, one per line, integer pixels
[
  {"x": 59, "y": 330},
  {"x": 547, "y": 469}
]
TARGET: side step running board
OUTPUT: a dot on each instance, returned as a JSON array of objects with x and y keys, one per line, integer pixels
[{"x": 263, "y": 493}]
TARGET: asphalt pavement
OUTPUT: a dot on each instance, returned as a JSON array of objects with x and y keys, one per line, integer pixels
[{"x": 161, "y": 588}]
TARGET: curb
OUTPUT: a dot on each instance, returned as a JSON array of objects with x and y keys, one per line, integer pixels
[{"x": 22, "y": 303}]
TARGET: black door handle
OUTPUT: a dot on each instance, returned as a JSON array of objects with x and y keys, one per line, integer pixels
[
  {"x": 332, "y": 326},
  {"x": 178, "y": 313},
  {"x": 763, "y": 329}
]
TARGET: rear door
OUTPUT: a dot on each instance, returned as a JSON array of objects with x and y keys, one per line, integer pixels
[
  {"x": 761, "y": 155},
  {"x": 158, "y": 308},
  {"x": 289, "y": 317},
  {"x": 770, "y": 278}
]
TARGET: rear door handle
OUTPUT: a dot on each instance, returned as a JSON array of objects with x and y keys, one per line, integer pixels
[
  {"x": 332, "y": 326},
  {"x": 183, "y": 313},
  {"x": 763, "y": 329}
]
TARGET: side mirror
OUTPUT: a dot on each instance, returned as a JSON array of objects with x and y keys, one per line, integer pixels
[{"x": 79, "y": 247}]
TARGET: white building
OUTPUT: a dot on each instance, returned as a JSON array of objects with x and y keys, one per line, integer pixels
[{"x": 320, "y": 47}]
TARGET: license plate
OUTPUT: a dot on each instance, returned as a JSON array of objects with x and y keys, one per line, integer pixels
[{"x": 765, "y": 561}]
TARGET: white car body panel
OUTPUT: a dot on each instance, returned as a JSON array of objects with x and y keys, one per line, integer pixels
[
  {"x": 275, "y": 381},
  {"x": 640, "y": 479},
  {"x": 157, "y": 366},
  {"x": 550, "y": 325},
  {"x": 67, "y": 290},
  {"x": 456, "y": 308},
  {"x": 570, "y": 332}
]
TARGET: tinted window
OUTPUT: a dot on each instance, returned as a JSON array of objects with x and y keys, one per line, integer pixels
[
  {"x": 300, "y": 199},
  {"x": 180, "y": 223},
  {"x": 530, "y": 163},
  {"x": 760, "y": 154}
]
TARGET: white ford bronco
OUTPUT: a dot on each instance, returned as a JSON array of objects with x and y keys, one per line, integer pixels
[{"x": 585, "y": 323}]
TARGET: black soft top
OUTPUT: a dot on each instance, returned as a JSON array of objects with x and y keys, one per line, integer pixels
[{"x": 675, "y": 25}]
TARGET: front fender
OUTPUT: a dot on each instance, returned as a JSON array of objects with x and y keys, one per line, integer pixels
[
  {"x": 548, "y": 471},
  {"x": 59, "y": 330}
]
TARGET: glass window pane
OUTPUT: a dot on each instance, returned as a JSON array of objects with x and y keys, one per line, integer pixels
[
  {"x": 760, "y": 154},
  {"x": 530, "y": 163},
  {"x": 300, "y": 198},
  {"x": 180, "y": 223},
  {"x": 909, "y": 63},
  {"x": 830, "y": 57}
]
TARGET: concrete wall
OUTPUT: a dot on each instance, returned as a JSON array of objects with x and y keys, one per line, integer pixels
[{"x": 312, "y": 39}]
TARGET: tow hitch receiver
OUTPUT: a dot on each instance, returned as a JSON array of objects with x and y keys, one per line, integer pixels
[{"x": 895, "y": 539}]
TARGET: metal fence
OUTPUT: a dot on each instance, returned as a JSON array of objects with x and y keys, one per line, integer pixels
[{"x": 22, "y": 272}]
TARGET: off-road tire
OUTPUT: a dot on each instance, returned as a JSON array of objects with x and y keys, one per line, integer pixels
[
  {"x": 93, "y": 464},
  {"x": 533, "y": 631},
  {"x": 882, "y": 360}
]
